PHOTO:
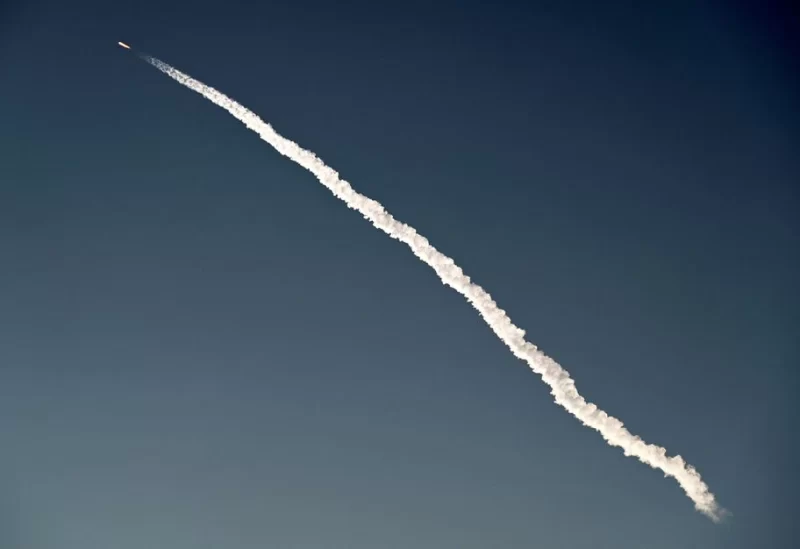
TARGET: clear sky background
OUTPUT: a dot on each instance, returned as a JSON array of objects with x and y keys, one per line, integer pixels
[{"x": 201, "y": 347}]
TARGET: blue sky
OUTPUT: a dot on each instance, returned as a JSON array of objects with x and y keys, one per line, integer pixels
[{"x": 201, "y": 347}]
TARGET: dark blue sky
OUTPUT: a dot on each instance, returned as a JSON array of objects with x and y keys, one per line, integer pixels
[{"x": 201, "y": 347}]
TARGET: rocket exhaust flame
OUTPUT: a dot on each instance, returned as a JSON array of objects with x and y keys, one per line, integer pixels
[{"x": 562, "y": 386}]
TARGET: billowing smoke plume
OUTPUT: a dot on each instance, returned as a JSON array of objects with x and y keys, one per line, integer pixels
[{"x": 563, "y": 387}]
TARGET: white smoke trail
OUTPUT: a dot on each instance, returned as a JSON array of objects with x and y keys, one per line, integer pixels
[{"x": 563, "y": 387}]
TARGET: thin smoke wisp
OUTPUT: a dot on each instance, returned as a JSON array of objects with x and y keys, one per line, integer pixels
[{"x": 557, "y": 378}]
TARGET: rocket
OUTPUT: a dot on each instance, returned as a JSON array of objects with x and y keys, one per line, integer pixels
[{"x": 124, "y": 45}]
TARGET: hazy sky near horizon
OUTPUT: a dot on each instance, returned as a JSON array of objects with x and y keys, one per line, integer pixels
[{"x": 201, "y": 347}]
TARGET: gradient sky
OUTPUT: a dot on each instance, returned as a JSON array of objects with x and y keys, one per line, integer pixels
[{"x": 201, "y": 347}]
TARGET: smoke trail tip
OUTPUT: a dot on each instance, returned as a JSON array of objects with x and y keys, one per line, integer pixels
[{"x": 718, "y": 514}]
